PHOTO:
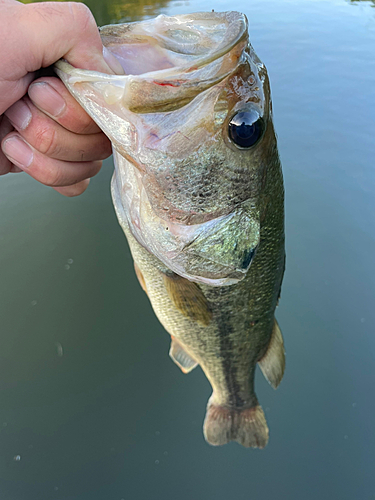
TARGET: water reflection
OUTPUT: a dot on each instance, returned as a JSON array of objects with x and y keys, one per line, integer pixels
[
  {"x": 115, "y": 11},
  {"x": 135, "y": 10},
  {"x": 372, "y": 2}
]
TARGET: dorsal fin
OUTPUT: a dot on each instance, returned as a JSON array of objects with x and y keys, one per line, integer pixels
[
  {"x": 188, "y": 298},
  {"x": 181, "y": 357},
  {"x": 273, "y": 362}
]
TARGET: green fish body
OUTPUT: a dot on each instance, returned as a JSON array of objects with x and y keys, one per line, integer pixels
[{"x": 198, "y": 191}]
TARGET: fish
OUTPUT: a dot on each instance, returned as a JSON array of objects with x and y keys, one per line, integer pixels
[{"x": 198, "y": 190}]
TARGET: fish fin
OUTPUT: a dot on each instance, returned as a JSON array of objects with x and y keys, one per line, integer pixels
[
  {"x": 247, "y": 426},
  {"x": 181, "y": 357},
  {"x": 140, "y": 277},
  {"x": 188, "y": 298},
  {"x": 273, "y": 362},
  {"x": 282, "y": 276}
]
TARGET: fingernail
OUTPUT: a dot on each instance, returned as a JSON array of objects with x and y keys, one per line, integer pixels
[
  {"x": 113, "y": 62},
  {"x": 46, "y": 98},
  {"x": 17, "y": 151},
  {"x": 19, "y": 115}
]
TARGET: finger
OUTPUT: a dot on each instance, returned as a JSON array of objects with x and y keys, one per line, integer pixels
[
  {"x": 74, "y": 190},
  {"x": 68, "y": 30},
  {"x": 51, "y": 96},
  {"x": 51, "y": 139},
  {"x": 44, "y": 169},
  {"x": 15, "y": 170},
  {"x": 5, "y": 128},
  {"x": 10, "y": 93}
]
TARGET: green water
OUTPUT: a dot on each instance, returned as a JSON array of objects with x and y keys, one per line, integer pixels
[{"x": 92, "y": 408}]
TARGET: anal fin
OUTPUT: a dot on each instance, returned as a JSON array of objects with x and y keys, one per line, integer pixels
[
  {"x": 273, "y": 362},
  {"x": 181, "y": 357},
  {"x": 188, "y": 298}
]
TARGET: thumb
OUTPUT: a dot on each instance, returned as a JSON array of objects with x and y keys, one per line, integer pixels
[{"x": 54, "y": 30}]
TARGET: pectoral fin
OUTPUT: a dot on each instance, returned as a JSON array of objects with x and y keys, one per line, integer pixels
[
  {"x": 140, "y": 277},
  {"x": 181, "y": 357},
  {"x": 273, "y": 362},
  {"x": 188, "y": 298}
]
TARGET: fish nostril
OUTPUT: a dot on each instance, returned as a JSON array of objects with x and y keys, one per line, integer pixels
[{"x": 247, "y": 258}]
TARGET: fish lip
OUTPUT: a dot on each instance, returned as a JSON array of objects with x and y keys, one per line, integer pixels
[
  {"x": 170, "y": 88},
  {"x": 238, "y": 23}
]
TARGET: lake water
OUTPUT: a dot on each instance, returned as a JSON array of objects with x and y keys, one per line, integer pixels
[{"x": 91, "y": 406}]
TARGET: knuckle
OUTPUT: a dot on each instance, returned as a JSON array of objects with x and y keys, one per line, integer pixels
[
  {"x": 82, "y": 16},
  {"x": 53, "y": 177},
  {"x": 45, "y": 141}
]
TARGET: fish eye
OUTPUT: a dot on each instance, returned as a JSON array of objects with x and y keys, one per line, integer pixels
[{"x": 246, "y": 128}]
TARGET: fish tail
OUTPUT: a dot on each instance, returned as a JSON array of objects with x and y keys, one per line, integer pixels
[{"x": 247, "y": 426}]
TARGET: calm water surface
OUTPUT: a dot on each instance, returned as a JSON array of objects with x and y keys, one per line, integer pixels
[{"x": 92, "y": 408}]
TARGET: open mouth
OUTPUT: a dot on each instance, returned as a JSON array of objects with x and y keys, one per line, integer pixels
[
  {"x": 168, "y": 60},
  {"x": 168, "y": 63},
  {"x": 186, "y": 42}
]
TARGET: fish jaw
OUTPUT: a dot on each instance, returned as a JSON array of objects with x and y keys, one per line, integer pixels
[
  {"x": 168, "y": 61},
  {"x": 190, "y": 170}
]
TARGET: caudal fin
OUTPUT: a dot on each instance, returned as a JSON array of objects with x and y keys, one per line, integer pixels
[{"x": 247, "y": 426}]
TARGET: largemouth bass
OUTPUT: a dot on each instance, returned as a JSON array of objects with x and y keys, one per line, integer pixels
[{"x": 198, "y": 191}]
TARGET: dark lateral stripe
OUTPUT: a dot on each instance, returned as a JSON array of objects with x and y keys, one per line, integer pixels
[{"x": 230, "y": 372}]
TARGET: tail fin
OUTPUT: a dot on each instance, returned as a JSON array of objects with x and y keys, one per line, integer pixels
[{"x": 247, "y": 426}]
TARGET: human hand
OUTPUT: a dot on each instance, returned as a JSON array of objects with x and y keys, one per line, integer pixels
[{"x": 43, "y": 130}]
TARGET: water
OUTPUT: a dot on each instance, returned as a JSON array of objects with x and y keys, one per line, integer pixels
[{"x": 89, "y": 399}]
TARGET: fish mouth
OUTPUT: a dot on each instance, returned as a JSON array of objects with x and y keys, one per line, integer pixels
[
  {"x": 170, "y": 63},
  {"x": 167, "y": 61}
]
